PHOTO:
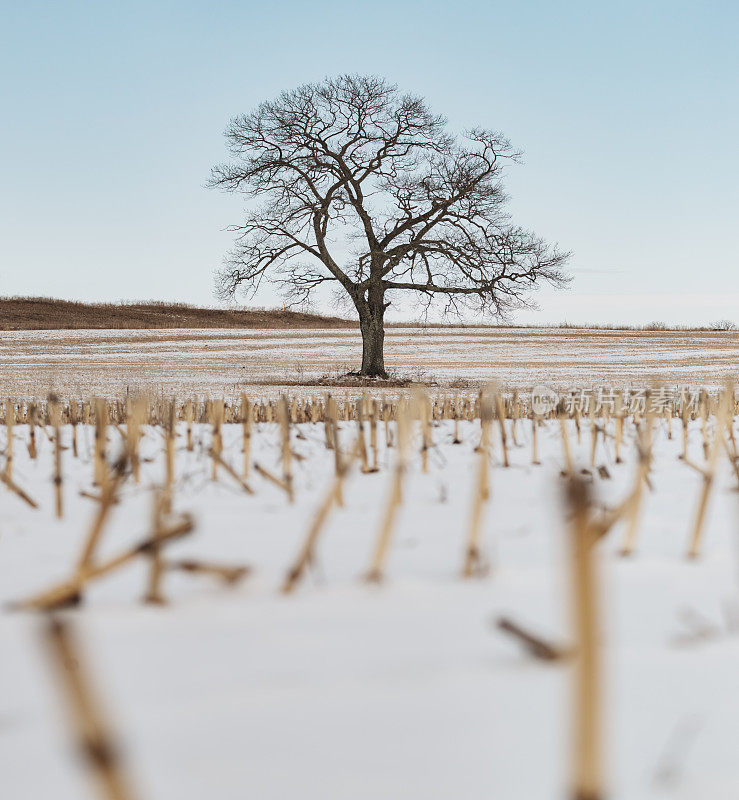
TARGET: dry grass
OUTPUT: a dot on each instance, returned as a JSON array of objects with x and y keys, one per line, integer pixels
[
  {"x": 45, "y": 313},
  {"x": 48, "y": 313},
  {"x": 346, "y": 380}
]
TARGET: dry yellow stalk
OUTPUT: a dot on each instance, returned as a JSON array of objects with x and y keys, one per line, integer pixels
[
  {"x": 160, "y": 506},
  {"x": 9, "y": 422},
  {"x": 13, "y": 486},
  {"x": 55, "y": 414},
  {"x": 74, "y": 418},
  {"x": 284, "y": 420},
  {"x": 403, "y": 424},
  {"x": 473, "y": 561},
  {"x": 247, "y": 421},
  {"x": 374, "y": 416},
  {"x": 216, "y": 448},
  {"x": 189, "y": 414},
  {"x": 32, "y": 412},
  {"x": 91, "y": 728},
  {"x": 708, "y": 475},
  {"x": 232, "y": 472},
  {"x": 644, "y": 455},
  {"x": 362, "y": 443},
  {"x": 108, "y": 494},
  {"x": 101, "y": 432},
  {"x": 69, "y": 592},
  {"x": 307, "y": 550},
  {"x": 566, "y": 445},
  {"x": 535, "y": 438},
  {"x": 227, "y": 573},
  {"x": 588, "y": 783},
  {"x": 265, "y": 473},
  {"x": 501, "y": 422}
]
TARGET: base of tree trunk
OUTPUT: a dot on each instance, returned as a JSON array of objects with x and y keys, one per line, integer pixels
[{"x": 368, "y": 374}]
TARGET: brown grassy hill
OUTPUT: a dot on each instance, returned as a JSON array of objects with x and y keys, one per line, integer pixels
[{"x": 44, "y": 313}]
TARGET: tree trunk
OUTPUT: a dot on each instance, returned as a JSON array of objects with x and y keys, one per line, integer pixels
[{"x": 372, "y": 326}]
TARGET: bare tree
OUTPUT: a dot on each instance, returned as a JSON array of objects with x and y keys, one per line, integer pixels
[{"x": 363, "y": 187}]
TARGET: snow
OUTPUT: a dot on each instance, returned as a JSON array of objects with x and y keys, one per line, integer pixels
[
  {"x": 188, "y": 361},
  {"x": 345, "y": 689}
]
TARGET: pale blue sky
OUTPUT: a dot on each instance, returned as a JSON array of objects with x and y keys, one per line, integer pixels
[{"x": 628, "y": 113}]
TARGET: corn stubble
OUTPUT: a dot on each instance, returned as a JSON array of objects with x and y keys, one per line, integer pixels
[{"x": 403, "y": 440}]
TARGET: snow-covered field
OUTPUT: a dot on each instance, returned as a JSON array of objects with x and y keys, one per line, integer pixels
[
  {"x": 400, "y": 690},
  {"x": 187, "y": 361}
]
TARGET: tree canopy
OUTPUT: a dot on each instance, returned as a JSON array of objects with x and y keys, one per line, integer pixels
[{"x": 355, "y": 184}]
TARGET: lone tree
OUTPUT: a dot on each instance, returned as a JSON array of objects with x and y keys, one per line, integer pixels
[{"x": 364, "y": 187}]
